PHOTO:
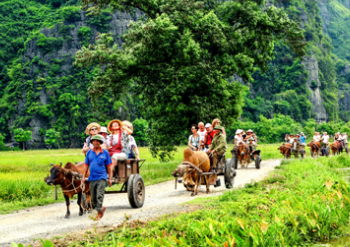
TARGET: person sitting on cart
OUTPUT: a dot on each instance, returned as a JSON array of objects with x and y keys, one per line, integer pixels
[
  {"x": 303, "y": 138},
  {"x": 217, "y": 147},
  {"x": 238, "y": 138},
  {"x": 298, "y": 138},
  {"x": 325, "y": 142},
  {"x": 209, "y": 136},
  {"x": 103, "y": 132},
  {"x": 132, "y": 146},
  {"x": 291, "y": 138},
  {"x": 194, "y": 139},
  {"x": 251, "y": 134},
  {"x": 252, "y": 148},
  {"x": 117, "y": 142},
  {"x": 93, "y": 129},
  {"x": 345, "y": 139},
  {"x": 217, "y": 122},
  {"x": 295, "y": 147}
]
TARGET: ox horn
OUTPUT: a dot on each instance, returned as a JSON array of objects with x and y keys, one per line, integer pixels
[{"x": 51, "y": 164}]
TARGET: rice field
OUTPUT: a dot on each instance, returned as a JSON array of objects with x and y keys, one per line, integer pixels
[{"x": 22, "y": 173}]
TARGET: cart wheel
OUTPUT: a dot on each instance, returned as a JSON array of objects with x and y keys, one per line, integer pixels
[
  {"x": 235, "y": 159},
  {"x": 230, "y": 174},
  {"x": 136, "y": 191},
  {"x": 257, "y": 162}
]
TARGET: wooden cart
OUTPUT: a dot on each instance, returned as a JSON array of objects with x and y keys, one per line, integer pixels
[{"x": 127, "y": 172}]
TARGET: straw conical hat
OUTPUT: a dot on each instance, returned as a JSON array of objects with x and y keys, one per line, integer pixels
[
  {"x": 127, "y": 123},
  {"x": 111, "y": 122},
  {"x": 93, "y": 124}
]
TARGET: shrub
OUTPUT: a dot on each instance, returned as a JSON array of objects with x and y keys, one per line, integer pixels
[
  {"x": 48, "y": 44},
  {"x": 70, "y": 13}
]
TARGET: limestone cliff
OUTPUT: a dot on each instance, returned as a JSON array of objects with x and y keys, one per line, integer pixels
[
  {"x": 65, "y": 53},
  {"x": 311, "y": 65}
]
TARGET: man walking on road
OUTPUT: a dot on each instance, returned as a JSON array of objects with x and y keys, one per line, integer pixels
[{"x": 97, "y": 159}]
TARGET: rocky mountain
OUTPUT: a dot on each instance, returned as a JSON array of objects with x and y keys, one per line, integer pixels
[{"x": 40, "y": 88}]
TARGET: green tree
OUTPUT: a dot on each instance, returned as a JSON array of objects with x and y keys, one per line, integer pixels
[
  {"x": 180, "y": 56},
  {"x": 140, "y": 129},
  {"x": 52, "y": 137},
  {"x": 23, "y": 136}
]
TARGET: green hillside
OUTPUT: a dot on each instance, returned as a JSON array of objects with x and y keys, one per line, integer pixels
[{"x": 40, "y": 89}]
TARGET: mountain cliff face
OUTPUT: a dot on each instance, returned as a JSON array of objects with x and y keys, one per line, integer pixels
[{"x": 40, "y": 89}]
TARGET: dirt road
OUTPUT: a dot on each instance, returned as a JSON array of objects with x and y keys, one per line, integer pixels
[{"x": 48, "y": 221}]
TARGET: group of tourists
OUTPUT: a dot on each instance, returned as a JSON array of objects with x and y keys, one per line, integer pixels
[
  {"x": 299, "y": 140},
  {"x": 340, "y": 139},
  {"x": 211, "y": 138},
  {"x": 103, "y": 150}
]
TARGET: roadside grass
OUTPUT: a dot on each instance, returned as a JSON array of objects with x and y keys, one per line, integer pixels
[
  {"x": 22, "y": 173},
  {"x": 301, "y": 203}
]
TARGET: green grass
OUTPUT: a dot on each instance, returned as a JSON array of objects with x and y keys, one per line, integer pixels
[
  {"x": 301, "y": 203},
  {"x": 22, "y": 173}
]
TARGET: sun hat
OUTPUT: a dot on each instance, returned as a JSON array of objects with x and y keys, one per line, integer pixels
[
  {"x": 239, "y": 131},
  {"x": 89, "y": 127},
  {"x": 301, "y": 133},
  {"x": 127, "y": 123},
  {"x": 295, "y": 138},
  {"x": 251, "y": 139},
  {"x": 97, "y": 137},
  {"x": 291, "y": 134},
  {"x": 111, "y": 122},
  {"x": 103, "y": 130},
  {"x": 218, "y": 127},
  {"x": 250, "y": 131},
  {"x": 207, "y": 125}
]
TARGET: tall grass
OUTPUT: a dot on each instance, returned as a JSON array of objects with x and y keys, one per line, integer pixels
[{"x": 302, "y": 202}]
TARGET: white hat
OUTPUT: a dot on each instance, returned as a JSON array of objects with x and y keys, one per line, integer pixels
[
  {"x": 103, "y": 130},
  {"x": 207, "y": 125},
  {"x": 338, "y": 133},
  {"x": 250, "y": 131},
  {"x": 239, "y": 131}
]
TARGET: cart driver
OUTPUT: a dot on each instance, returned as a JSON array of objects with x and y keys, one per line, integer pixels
[
  {"x": 295, "y": 147},
  {"x": 217, "y": 147},
  {"x": 252, "y": 148}
]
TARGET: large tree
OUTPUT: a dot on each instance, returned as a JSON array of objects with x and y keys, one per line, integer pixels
[{"x": 180, "y": 57}]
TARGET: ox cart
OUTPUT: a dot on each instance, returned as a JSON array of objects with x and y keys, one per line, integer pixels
[
  {"x": 224, "y": 167},
  {"x": 256, "y": 160},
  {"x": 127, "y": 173}
]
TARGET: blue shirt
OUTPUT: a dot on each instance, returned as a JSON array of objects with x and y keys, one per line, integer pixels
[
  {"x": 98, "y": 164},
  {"x": 302, "y": 138}
]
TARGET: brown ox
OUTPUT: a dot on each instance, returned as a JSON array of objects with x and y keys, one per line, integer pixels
[
  {"x": 285, "y": 150},
  {"x": 335, "y": 148},
  {"x": 70, "y": 186},
  {"x": 191, "y": 178},
  {"x": 243, "y": 155},
  {"x": 315, "y": 146}
]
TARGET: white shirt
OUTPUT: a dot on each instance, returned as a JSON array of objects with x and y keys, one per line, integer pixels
[
  {"x": 201, "y": 134},
  {"x": 291, "y": 140},
  {"x": 345, "y": 138},
  {"x": 325, "y": 138},
  {"x": 238, "y": 139},
  {"x": 317, "y": 138}
]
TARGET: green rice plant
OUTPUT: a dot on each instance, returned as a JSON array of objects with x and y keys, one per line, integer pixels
[{"x": 20, "y": 186}]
